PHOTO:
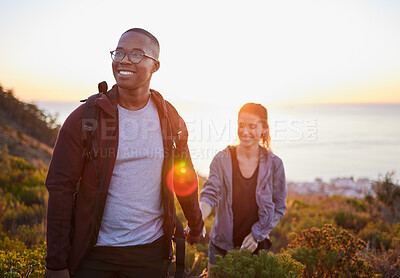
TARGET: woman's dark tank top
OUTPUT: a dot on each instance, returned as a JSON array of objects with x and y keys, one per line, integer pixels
[{"x": 244, "y": 205}]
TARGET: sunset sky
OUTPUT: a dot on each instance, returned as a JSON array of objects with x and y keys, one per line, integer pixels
[{"x": 211, "y": 51}]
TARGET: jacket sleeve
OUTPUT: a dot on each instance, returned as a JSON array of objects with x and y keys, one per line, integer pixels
[
  {"x": 212, "y": 192},
  {"x": 190, "y": 203},
  {"x": 63, "y": 175},
  {"x": 260, "y": 232}
]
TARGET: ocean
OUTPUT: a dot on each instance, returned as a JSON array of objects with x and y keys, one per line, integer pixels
[{"x": 314, "y": 141}]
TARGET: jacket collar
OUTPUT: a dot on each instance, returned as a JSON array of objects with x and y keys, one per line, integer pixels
[
  {"x": 264, "y": 170},
  {"x": 108, "y": 102},
  {"x": 159, "y": 101}
]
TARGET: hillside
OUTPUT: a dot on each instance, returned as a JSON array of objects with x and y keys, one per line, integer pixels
[
  {"x": 21, "y": 145},
  {"x": 25, "y": 130},
  {"x": 321, "y": 235},
  {"x": 27, "y": 118}
]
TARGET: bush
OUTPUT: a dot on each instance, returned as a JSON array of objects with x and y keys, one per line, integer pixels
[
  {"x": 386, "y": 263},
  {"x": 386, "y": 204},
  {"x": 7, "y": 244},
  {"x": 350, "y": 221},
  {"x": 21, "y": 263},
  {"x": 31, "y": 235},
  {"x": 328, "y": 254},
  {"x": 22, "y": 215},
  {"x": 33, "y": 195},
  {"x": 377, "y": 235},
  {"x": 242, "y": 264}
]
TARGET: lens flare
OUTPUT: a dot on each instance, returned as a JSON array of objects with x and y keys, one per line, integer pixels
[{"x": 182, "y": 179}]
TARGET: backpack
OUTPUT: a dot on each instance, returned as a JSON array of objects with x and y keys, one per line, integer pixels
[{"x": 89, "y": 128}]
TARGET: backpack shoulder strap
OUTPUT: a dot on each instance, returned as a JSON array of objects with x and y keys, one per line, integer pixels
[
  {"x": 179, "y": 239},
  {"x": 90, "y": 119},
  {"x": 179, "y": 137},
  {"x": 89, "y": 126}
]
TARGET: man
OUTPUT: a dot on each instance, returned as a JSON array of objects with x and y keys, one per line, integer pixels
[{"x": 122, "y": 221}]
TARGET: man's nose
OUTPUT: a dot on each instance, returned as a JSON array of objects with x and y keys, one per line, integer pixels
[{"x": 125, "y": 59}]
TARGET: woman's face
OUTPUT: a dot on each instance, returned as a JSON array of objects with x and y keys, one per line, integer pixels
[{"x": 250, "y": 129}]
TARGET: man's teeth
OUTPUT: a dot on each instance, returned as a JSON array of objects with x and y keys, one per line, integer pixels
[{"x": 124, "y": 72}]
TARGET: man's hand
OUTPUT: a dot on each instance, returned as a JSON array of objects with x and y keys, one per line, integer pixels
[
  {"x": 56, "y": 273},
  {"x": 249, "y": 243},
  {"x": 194, "y": 239}
]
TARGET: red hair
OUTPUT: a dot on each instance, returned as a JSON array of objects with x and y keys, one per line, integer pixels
[{"x": 261, "y": 112}]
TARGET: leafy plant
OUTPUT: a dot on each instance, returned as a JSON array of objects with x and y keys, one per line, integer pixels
[
  {"x": 21, "y": 263},
  {"x": 242, "y": 264},
  {"x": 326, "y": 253}
]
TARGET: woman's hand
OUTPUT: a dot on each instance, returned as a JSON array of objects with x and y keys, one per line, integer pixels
[{"x": 249, "y": 243}]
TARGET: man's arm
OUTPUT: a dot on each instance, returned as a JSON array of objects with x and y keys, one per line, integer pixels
[
  {"x": 190, "y": 203},
  {"x": 63, "y": 175}
]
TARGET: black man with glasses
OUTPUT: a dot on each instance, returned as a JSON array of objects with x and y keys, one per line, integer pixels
[{"x": 122, "y": 220}]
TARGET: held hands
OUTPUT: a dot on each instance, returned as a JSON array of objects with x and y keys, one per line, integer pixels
[
  {"x": 194, "y": 239},
  {"x": 249, "y": 243}
]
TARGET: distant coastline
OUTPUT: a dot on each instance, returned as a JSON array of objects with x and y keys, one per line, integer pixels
[{"x": 327, "y": 141}]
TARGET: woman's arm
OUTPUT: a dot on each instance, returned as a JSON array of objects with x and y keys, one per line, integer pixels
[
  {"x": 211, "y": 194},
  {"x": 205, "y": 210},
  {"x": 261, "y": 230},
  {"x": 279, "y": 196}
]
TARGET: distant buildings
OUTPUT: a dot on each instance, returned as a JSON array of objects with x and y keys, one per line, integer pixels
[{"x": 337, "y": 186}]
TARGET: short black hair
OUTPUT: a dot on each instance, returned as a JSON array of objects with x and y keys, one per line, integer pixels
[{"x": 147, "y": 34}]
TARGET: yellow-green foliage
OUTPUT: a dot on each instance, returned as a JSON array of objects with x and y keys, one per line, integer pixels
[
  {"x": 22, "y": 199},
  {"x": 22, "y": 213},
  {"x": 242, "y": 264},
  {"x": 18, "y": 263}
]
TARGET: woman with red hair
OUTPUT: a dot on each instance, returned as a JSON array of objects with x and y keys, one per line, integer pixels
[{"x": 246, "y": 186}]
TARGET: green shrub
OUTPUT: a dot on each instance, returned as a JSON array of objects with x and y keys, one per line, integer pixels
[
  {"x": 7, "y": 244},
  {"x": 21, "y": 214},
  {"x": 20, "y": 263},
  {"x": 242, "y": 264},
  {"x": 326, "y": 253},
  {"x": 358, "y": 204},
  {"x": 33, "y": 195},
  {"x": 30, "y": 235},
  {"x": 386, "y": 204},
  {"x": 377, "y": 234},
  {"x": 350, "y": 221}
]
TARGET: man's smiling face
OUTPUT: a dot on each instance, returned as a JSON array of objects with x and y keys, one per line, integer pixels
[{"x": 132, "y": 76}]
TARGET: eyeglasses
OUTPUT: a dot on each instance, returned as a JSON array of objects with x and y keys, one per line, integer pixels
[{"x": 134, "y": 56}]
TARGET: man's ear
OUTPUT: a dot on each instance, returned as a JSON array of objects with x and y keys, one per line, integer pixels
[{"x": 156, "y": 66}]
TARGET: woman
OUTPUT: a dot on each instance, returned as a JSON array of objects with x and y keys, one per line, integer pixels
[{"x": 247, "y": 187}]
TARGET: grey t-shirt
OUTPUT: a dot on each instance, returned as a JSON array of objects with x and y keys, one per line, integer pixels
[{"x": 133, "y": 211}]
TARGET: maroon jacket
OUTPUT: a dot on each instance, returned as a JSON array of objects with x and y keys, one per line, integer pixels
[{"x": 65, "y": 246}]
